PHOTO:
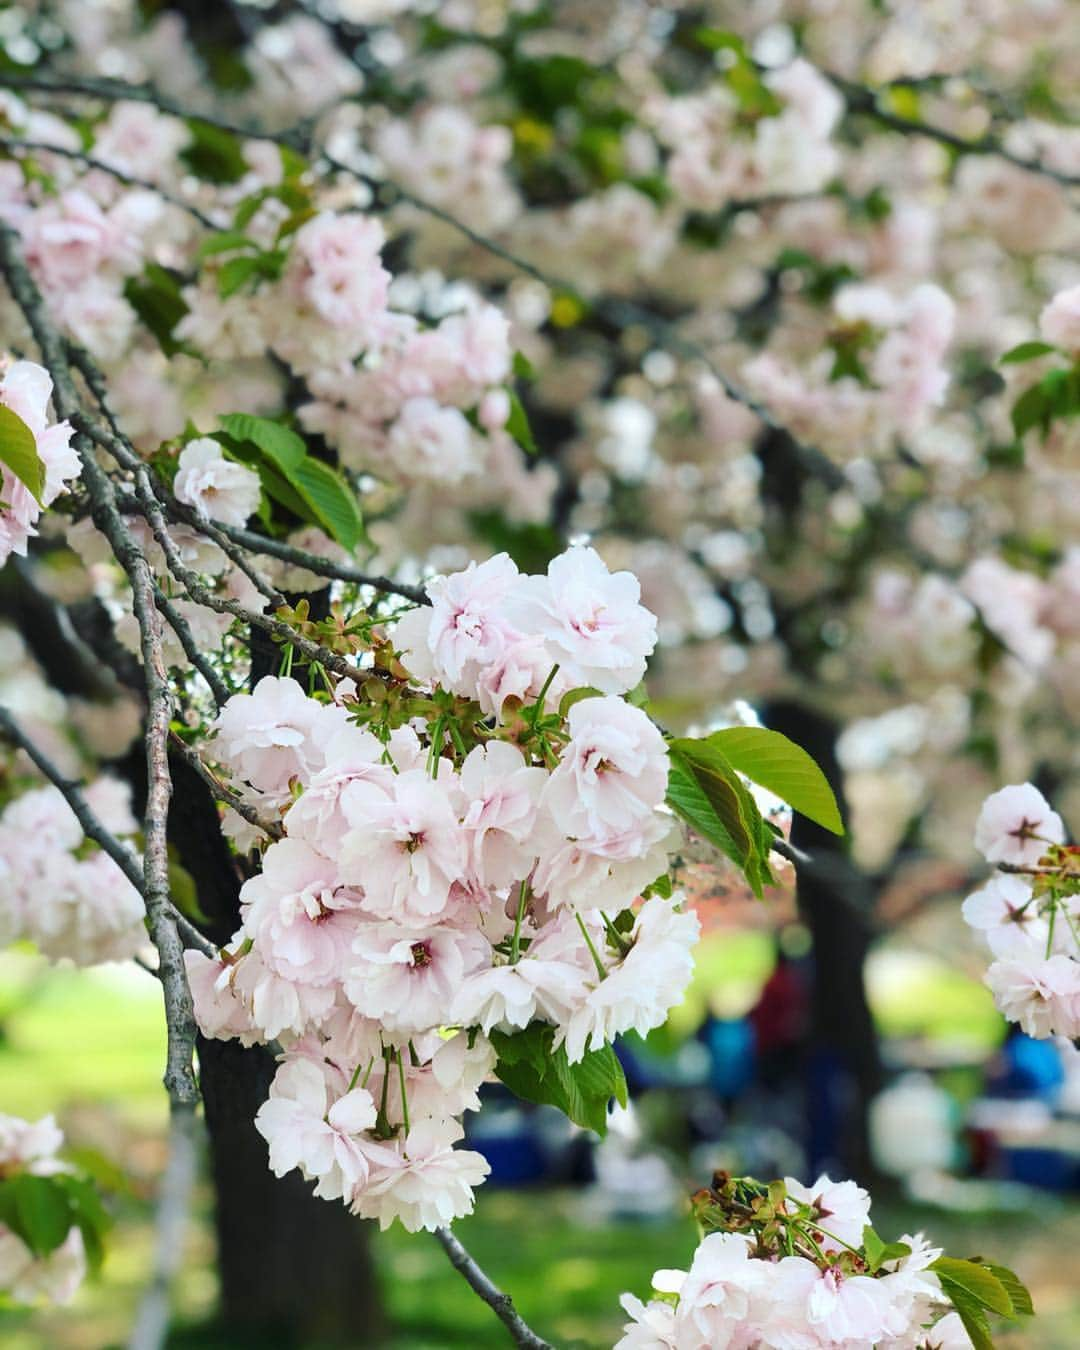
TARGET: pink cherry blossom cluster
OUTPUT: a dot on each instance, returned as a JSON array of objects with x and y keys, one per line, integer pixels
[
  {"x": 1028, "y": 914},
  {"x": 428, "y": 894},
  {"x": 71, "y": 903},
  {"x": 829, "y": 1291},
  {"x": 788, "y": 152},
  {"x": 25, "y": 390},
  {"x": 901, "y": 343},
  {"x": 29, "y": 1149}
]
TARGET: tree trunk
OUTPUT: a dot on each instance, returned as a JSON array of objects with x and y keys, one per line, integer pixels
[
  {"x": 835, "y": 900},
  {"x": 294, "y": 1270}
]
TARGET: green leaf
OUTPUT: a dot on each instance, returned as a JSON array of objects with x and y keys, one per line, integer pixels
[
  {"x": 532, "y": 546},
  {"x": 236, "y": 272},
  {"x": 872, "y": 1246},
  {"x": 523, "y": 368},
  {"x": 773, "y": 761},
  {"x": 1026, "y": 351},
  {"x": 88, "y": 1213},
  {"x": 331, "y": 499},
  {"x": 277, "y": 442},
  {"x": 225, "y": 242},
  {"x": 704, "y": 789},
  {"x": 1018, "y": 1292},
  {"x": 573, "y": 696},
  {"x": 214, "y": 155},
  {"x": 529, "y": 1067},
  {"x": 155, "y": 297},
  {"x": 975, "y": 1321},
  {"x": 18, "y": 452},
  {"x": 37, "y": 1209},
  {"x": 517, "y": 424},
  {"x": 1030, "y": 409},
  {"x": 979, "y": 1282}
]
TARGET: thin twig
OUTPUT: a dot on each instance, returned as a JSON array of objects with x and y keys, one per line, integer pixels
[
  {"x": 222, "y": 792},
  {"x": 502, "y": 1305},
  {"x": 128, "y": 180}
]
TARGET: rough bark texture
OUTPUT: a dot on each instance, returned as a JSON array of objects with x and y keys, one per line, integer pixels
[{"x": 294, "y": 1270}]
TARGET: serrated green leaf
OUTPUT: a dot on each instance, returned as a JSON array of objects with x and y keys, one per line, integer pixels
[
  {"x": 979, "y": 1282},
  {"x": 18, "y": 452},
  {"x": 774, "y": 762},
  {"x": 88, "y": 1213},
  {"x": 1026, "y": 351},
  {"x": 331, "y": 499},
  {"x": 279, "y": 443},
  {"x": 1030, "y": 410},
  {"x": 704, "y": 789},
  {"x": 1018, "y": 1292},
  {"x": 573, "y": 696},
  {"x": 976, "y": 1323}
]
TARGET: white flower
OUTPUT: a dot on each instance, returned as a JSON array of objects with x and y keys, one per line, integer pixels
[
  {"x": 1042, "y": 996},
  {"x": 590, "y": 619},
  {"x": 215, "y": 486},
  {"x": 1015, "y": 826},
  {"x": 503, "y": 795},
  {"x": 640, "y": 992},
  {"x": 651, "y": 1325},
  {"x": 612, "y": 775},
  {"x": 266, "y": 737},
  {"x": 405, "y": 846},
  {"x": 1008, "y": 916},
  {"x": 715, "y": 1297},
  {"x": 840, "y": 1207},
  {"x": 326, "y": 1143},
  {"x": 1059, "y": 322},
  {"x": 407, "y": 978},
  {"x": 430, "y": 1183}
]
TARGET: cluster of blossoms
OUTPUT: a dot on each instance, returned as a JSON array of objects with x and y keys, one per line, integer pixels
[
  {"x": 467, "y": 835},
  {"x": 29, "y": 1149},
  {"x": 60, "y": 891},
  {"x": 878, "y": 381},
  {"x": 25, "y": 390},
  {"x": 1028, "y": 914},
  {"x": 786, "y": 151},
  {"x": 792, "y": 1267}
]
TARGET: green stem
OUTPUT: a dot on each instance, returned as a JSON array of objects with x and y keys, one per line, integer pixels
[
  {"x": 515, "y": 943},
  {"x": 601, "y": 969},
  {"x": 404, "y": 1096}
]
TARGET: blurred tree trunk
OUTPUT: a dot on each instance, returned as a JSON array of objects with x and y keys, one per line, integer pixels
[
  {"x": 836, "y": 901},
  {"x": 294, "y": 1270}
]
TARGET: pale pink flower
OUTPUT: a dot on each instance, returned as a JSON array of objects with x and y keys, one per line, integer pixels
[
  {"x": 503, "y": 795},
  {"x": 326, "y": 1139},
  {"x": 841, "y": 1208},
  {"x": 336, "y": 267},
  {"x": 590, "y": 619},
  {"x": 431, "y": 442},
  {"x": 640, "y": 991},
  {"x": 838, "y": 1309},
  {"x": 215, "y": 486},
  {"x": 1016, "y": 825},
  {"x": 431, "y": 1183},
  {"x": 407, "y": 978},
  {"x": 265, "y": 736},
  {"x": 1041, "y": 995},
  {"x": 715, "y": 1295},
  {"x": 612, "y": 775},
  {"x": 1059, "y": 322}
]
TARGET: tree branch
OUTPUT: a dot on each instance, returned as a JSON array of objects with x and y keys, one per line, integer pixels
[
  {"x": 502, "y": 1305},
  {"x": 179, "y": 1014},
  {"x": 223, "y": 793}
]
